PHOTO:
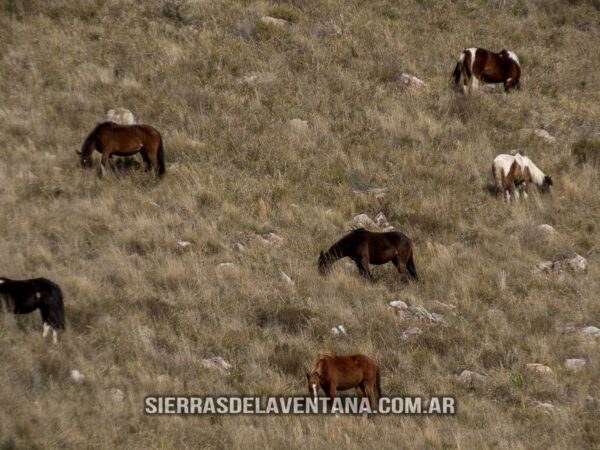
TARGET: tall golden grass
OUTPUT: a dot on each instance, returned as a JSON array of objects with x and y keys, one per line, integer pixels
[{"x": 142, "y": 311}]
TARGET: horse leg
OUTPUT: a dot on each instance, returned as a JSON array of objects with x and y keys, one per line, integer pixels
[
  {"x": 363, "y": 266},
  {"x": 401, "y": 267},
  {"x": 360, "y": 390},
  {"x": 46, "y": 330},
  {"x": 147, "y": 163},
  {"x": 370, "y": 390},
  {"x": 106, "y": 162},
  {"x": 153, "y": 157}
]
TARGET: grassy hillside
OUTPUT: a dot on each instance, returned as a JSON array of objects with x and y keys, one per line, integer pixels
[{"x": 222, "y": 86}]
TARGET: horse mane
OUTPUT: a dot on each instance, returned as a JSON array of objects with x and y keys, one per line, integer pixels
[
  {"x": 317, "y": 363},
  {"x": 537, "y": 176},
  {"x": 85, "y": 147}
]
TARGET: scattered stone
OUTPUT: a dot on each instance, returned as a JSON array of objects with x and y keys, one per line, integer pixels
[
  {"x": 539, "y": 368},
  {"x": 575, "y": 364},
  {"x": 298, "y": 126},
  {"x": 548, "y": 229},
  {"x": 569, "y": 261},
  {"x": 239, "y": 247},
  {"x": 216, "y": 362},
  {"x": 362, "y": 220},
  {"x": 338, "y": 330},
  {"x": 543, "y": 407},
  {"x": 267, "y": 239},
  {"x": 470, "y": 377},
  {"x": 184, "y": 244},
  {"x": 569, "y": 329},
  {"x": 77, "y": 376},
  {"x": 117, "y": 394},
  {"x": 285, "y": 277},
  {"x": 410, "y": 333},
  {"x": 411, "y": 81},
  {"x": 227, "y": 266},
  {"x": 381, "y": 221},
  {"x": 121, "y": 115},
  {"x": 544, "y": 135},
  {"x": 591, "y": 331},
  {"x": 405, "y": 312},
  {"x": 280, "y": 23}
]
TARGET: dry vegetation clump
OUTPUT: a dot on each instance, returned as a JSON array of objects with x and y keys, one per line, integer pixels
[{"x": 222, "y": 87}]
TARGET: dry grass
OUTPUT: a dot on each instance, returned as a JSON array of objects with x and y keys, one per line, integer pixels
[{"x": 142, "y": 312}]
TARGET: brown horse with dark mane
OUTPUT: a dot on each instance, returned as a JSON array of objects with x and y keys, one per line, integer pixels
[
  {"x": 367, "y": 247},
  {"x": 110, "y": 138},
  {"x": 339, "y": 373},
  {"x": 479, "y": 64}
]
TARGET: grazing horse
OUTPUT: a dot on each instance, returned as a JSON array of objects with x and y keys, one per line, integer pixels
[
  {"x": 25, "y": 296},
  {"x": 367, "y": 247},
  {"x": 110, "y": 138},
  {"x": 478, "y": 64},
  {"x": 514, "y": 173},
  {"x": 339, "y": 373}
]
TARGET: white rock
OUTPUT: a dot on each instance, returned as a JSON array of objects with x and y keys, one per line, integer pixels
[
  {"x": 410, "y": 333},
  {"x": 226, "y": 266},
  {"x": 121, "y": 115},
  {"x": 548, "y": 229},
  {"x": 299, "y": 126},
  {"x": 540, "y": 368},
  {"x": 117, "y": 394},
  {"x": 239, "y": 247},
  {"x": 571, "y": 262},
  {"x": 216, "y": 362},
  {"x": 281, "y": 23},
  {"x": 381, "y": 221},
  {"x": 267, "y": 239},
  {"x": 184, "y": 244},
  {"x": 575, "y": 364},
  {"x": 411, "y": 81},
  {"x": 362, "y": 220},
  {"x": 258, "y": 77},
  {"x": 338, "y": 330},
  {"x": 77, "y": 376},
  {"x": 591, "y": 331},
  {"x": 378, "y": 192},
  {"x": 468, "y": 376},
  {"x": 285, "y": 277},
  {"x": 545, "y": 135},
  {"x": 398, "y": 304},
  {"x": 544, "y": 407}
]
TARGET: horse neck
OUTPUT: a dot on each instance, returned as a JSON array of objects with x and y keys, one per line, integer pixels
[
  {"x": 86, "y": 147},
  {"x": 537, "y": 176},
  {"x": 334, "y": 253}
]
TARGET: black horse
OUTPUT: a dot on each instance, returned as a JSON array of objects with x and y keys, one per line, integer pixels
[{"x": 25, "y": 296}]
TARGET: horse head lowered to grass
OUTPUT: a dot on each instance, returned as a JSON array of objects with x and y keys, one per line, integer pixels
[
  {"x": 110, "y": 138},
  {"x": 367, "y": 247}
]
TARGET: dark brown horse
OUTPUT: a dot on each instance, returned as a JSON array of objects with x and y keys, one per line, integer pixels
[
  {"x": 339, "y": 373},
  {"x": 478, "y": 64},
  {"x": 110, "y": 138},
  {"x": 367, "y": 247}
]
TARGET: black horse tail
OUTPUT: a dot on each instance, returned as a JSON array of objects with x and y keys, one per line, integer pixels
[
  {"x": 410, "y": 266},
  {"x": 161, "y": 158},
  {"x": 51, "y": 307},
  {"x": 458, "y": 70}
]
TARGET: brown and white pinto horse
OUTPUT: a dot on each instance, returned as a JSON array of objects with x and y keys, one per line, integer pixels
[
  {"x": 513, "y": 173},
  {"x": 110, "y": 138},
  {"x": 478, "y": 64},
  {"x": 339, "y": 373}
]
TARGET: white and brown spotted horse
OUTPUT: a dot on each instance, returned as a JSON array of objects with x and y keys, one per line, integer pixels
[
  {"x": 480, "y": 65},
  {"x": 514, "y": 173}
]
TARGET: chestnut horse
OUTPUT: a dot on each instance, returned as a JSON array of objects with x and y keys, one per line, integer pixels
[
  {"x": 367, "y": 247},
  {"x": 478, "y": 64},
  {"x": 110, "y": 138},
  {"x": 339, "y": 373},
  {"x": 25, "y": 296},
  {"x": 514, "y": 173}
]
